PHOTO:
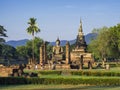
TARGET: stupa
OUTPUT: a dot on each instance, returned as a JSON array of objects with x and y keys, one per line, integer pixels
[{"x": 80, "y": 48}]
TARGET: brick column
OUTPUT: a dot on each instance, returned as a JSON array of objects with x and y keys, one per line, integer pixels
[
  {"x": 67, "y": 53},
  {"x": 41, "y": 54}
]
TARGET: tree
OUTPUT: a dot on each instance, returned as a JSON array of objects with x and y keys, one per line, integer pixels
[
  {"x": 8, "y": 52},
  {"x": 107, "y": 43},
  {"x": 2, "y": 33},
  {"x": 99, "y": 46},
  {"x": 32, "y": 29},
  {"x": 25, "y": 51},
  {"x": 38, "y": 42},
  {"x": 22, "y": 52},
  {"x": 114, "y": 38}
]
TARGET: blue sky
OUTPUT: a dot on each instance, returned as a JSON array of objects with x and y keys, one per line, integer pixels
[{"x": 57, "y": 18}]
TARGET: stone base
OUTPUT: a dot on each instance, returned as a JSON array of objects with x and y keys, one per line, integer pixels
[
  {"x": 58, "y": 57},
  {"x": 63, "y": 66},
  {"x": 5, "y": 71},
  {"x": 75, "y": 56},
  {"x": 57, "y": 66}
]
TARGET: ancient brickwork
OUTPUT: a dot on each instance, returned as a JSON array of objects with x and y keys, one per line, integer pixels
[{"x": 67, "y": 53}]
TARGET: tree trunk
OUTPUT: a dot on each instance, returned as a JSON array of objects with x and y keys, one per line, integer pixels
[{"x": 33, "y": 49}]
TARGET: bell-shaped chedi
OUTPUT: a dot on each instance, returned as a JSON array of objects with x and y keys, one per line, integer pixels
[
  {"x": 80, "y": 41},
  {"x": 80, "y": 50}
]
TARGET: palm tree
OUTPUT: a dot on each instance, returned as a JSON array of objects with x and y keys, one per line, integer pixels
[{"x": 32, "y": 29}]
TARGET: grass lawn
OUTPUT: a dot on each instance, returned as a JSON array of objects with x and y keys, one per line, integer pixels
[
  {"x": 56, "y": 87},
  {"x": 113, "y": 69}
]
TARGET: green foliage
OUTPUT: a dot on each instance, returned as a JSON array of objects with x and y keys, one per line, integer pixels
[
  {"x": 25, "y": 51},
  {"x": 12, "y": 80},
  {"x": 114, "y": 65},
  {"x": 32, "y": 29},
  {"x": 37, "y": 43},
  {"x": 2, "y": 33},
  {"x": 22, "y": 52},
  {"x": 107, "y": 43},
  {"x": 95, "y": 73},
  {"x": 49, "y": 51},
  {"x": 99, "y": 81},
  {"x": 8, "y": 52},
  {"x": 80, "y": 72},
  {"x": 114, "y": 44}
]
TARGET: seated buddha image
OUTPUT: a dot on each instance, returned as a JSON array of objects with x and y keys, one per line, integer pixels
[{"x": 58, "y": 51}]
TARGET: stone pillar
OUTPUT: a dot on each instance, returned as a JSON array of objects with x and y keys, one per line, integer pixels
[
  {"x": 41, "y": 54},
  {"x": 81, "y": 62},
  {"x": 67, "y": 53}
]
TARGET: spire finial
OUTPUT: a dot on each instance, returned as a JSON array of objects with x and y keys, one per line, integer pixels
[
  {"x": 80, "y": 28},
  {"x": 80, "y": 21}
]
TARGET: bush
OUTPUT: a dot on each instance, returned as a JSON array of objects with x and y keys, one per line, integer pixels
[
  {"x": 98, "y": 81},
  {"x": 95, "y": 73},
  {"x": 12, "y": 80},
  {"x": 114, "y": 64}
]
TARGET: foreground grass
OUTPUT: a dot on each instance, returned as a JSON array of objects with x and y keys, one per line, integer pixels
[
  {"x": 64, "y": 87},
  {"x": 56, "y": 87}
]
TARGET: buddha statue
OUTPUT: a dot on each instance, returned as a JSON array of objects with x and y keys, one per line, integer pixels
[{"x": 58, "y": 51}]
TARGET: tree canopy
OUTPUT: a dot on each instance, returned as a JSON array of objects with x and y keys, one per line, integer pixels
[
  {"x": 2, "y": 33},
  {"x": 107, "y": 43},
  {"x": 25, "y": 51}
]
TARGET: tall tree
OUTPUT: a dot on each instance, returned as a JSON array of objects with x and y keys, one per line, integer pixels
[
  {"x": 2, "y": 33},
  {"x": 32, "y": 29},
  {"x": 107, "y": 43},
  {"x": 99, "y": 46},
  {"x": 114, "y": 38}
]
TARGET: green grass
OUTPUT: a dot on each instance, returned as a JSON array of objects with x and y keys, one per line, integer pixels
[
  {"x": 113, "y": 69},
  {"x": 74, "y": 76},
  {"x": 56, "y": 87}
]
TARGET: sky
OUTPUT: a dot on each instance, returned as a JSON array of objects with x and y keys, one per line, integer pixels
[{"x": 57, "y": 18}]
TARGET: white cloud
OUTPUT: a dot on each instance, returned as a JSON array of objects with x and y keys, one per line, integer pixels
[{"x": 69, "y": 6}]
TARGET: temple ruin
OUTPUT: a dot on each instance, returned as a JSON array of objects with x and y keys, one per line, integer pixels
[{"x": 67, "y": 59}]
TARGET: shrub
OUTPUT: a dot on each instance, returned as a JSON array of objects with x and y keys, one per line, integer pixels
[
  {"x": 12, "y": 80},
  {"x": 95, "y": 73},
  {"x": 99, "y": 81},
  {"x": 114, "y": 64}
]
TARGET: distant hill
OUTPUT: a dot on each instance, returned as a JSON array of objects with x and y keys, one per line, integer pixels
[
  {"x": 88, "y": 38},
  {"x": 16, "y": 43}
]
